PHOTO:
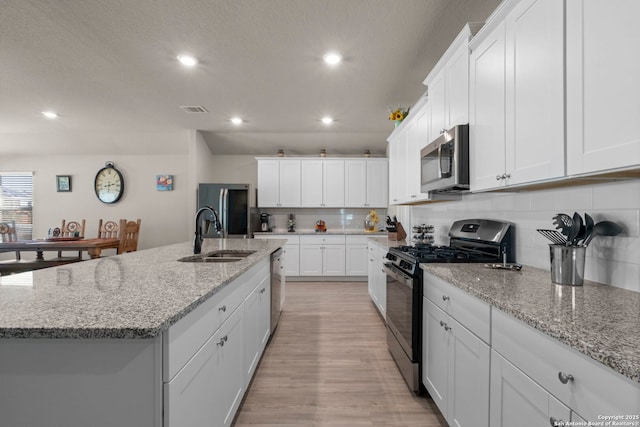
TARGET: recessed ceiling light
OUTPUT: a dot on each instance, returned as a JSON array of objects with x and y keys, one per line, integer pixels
[
  {"x": 50, "y": 114},
  {"x": 187, "y": 61},
  {"x": 236, "y": 120},
  {"x": 327, "y": 120},
  {"x": 332, "y": 58}
]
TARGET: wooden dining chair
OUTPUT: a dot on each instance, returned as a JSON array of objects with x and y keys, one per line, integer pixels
[
  {"x": 129, "y": 233},
  {"x": 108, "y": 229},
  {"x": 71, "y": 229},
  {"x": 8, "y": 233}
]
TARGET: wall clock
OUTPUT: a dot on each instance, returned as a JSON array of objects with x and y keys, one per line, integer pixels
[{"x": 109, "y": 184}]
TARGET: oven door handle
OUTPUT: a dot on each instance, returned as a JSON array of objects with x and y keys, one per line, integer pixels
[{"x": 401, "y": 277}]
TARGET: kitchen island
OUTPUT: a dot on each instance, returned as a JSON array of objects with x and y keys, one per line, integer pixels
[{"x": 135, "y": 339}]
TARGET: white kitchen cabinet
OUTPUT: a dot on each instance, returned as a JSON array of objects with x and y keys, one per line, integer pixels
[
  {"x": 377, "y": 277},
  {"x": 455, "y": 368},
  {"x": 418, "y": 139},
  {"x": 603, "y": 102},
  {"x": 322, "y": 255},
  {"x": 517, "y": 96},
  {"x": 448, "y": 84},
  {"x": 395, "y": 167},
  {"x": 209, "y": 388},
  {"x": 587, "y": 387},
  {"x": 322, "y": 183},
  {"x": 257, "y": 325},
  {"x": 291, "y": 250},
  {"x": 366, "y": 182},
  {"x": 279, "y": 183},
  {"x": 516, "y": 400},
  {"x": 356, "y": 256}
]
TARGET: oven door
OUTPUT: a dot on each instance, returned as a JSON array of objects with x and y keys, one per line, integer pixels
[{"x": 400, "y": 306}]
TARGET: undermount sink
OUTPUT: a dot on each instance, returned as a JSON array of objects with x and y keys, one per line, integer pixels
[{"x": 222, "y": 255}]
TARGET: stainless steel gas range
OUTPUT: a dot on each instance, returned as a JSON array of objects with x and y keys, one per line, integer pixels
[{"x": 471, "y": 240}]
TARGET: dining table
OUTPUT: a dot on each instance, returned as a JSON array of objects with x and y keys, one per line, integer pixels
[{"x": 93, "y": 247}]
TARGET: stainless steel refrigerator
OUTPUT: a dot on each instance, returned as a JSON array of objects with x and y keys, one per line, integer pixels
[{"x": 231, "y": 201}]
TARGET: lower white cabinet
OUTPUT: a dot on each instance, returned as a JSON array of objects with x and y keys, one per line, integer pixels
[
  {"x": 357, "y": 255},
  {"x": 517, "y": 400},
  {"x": 209, "y": 388},
  {"x": 291, "y": 250},
  {"x": 377, "y": 277},
  {"x": 257, "y": 327},
  {"x": 455, "y": 368},
  {"x": 322, "y": 255},
  {"x": 205, "y": 382}
]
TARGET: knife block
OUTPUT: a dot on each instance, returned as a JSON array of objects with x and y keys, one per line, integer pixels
[{"x": 400, "y": 234}]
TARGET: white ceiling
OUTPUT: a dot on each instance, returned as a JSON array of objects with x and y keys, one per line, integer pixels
[{"x": 110, "y": 66}]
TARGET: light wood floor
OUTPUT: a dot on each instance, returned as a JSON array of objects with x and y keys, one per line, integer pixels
[{"x": 328, "y": 365}]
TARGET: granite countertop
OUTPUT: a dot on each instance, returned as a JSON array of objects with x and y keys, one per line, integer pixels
[
  {"x": 385, "y": 243},
  {"x": 313, "y": 232},
  {"x": 134, "y": 295},
  {"x": 597, "y": 320}
]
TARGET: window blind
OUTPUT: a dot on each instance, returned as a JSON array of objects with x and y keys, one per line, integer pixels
[{"x": 16, "y": 201}]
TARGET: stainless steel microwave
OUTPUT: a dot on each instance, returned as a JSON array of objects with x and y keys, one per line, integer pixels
[{"x": 444, "y": 163}]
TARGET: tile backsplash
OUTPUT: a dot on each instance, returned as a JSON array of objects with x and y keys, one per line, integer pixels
[
  {"x": 611, "y": 260},
  {"x": 336, "y": 219}
]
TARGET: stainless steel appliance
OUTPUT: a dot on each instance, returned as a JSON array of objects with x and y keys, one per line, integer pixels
[
  {"x": 265, "y": 222},
  {"x": 232, "y": 203},
  {"x": 277, "y": 287},
  {"x": 471, "y": 240},
  {"x": 445, "y": 162}
]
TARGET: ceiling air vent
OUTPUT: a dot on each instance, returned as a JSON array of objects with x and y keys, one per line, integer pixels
[{"x": 193, "y": 109}]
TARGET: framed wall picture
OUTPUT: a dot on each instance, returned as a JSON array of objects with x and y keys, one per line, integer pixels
[
  {"x": 164, "y": 182},
  {"x": 63, "y": 183}
]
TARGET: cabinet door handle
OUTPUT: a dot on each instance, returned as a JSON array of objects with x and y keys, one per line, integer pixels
[
  {"x": 498, "y": 177},
  {"x": 263, "y": 290},
  {"x": 445, "y": 298},
  {"x": 445, "y": 326},
  {"x": 414, "y": 195},
  {"x": 383, "y": 271},
  {"x": 222, "y": 341},
  {"x": 555, "y": 422},
  {"x": 564, "y": 378},
  {"x": 506, "y": 176},
  {"x": 223, "y": 308}
]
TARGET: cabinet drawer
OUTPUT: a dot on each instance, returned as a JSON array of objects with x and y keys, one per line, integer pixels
[
  {"x": 472, "y": 313},
  {"x": 595, "y": 389},
  {"x": 331, "y": 239},
  {"x": 183, "y": 339},
  {"x": 291, "y": 240},
  {"x": 357, "y": 239}
]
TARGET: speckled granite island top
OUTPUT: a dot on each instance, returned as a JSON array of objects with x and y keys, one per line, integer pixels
[
  {"x": 135, "y": 295},
  {"x": 600, "y": 321}
]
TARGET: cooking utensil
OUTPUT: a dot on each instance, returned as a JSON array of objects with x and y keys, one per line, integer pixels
[
  {"x": 588, "y": 227},
  {"x": 563, "y": 223},
  {"x": 603, "y": 228},
  {"x": 574, "y": 231},
  {"x": 553, "y": 235},
  {"x": 395, "y": 220}
]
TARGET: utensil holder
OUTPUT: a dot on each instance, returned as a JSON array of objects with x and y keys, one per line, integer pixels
[{"x": 567, "y": 264}]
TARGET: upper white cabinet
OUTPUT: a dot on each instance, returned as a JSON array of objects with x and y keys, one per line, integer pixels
[
  {"x": 517, "y": 96},
  {"x": 279, "y": 183},
  {"x": 365, "y": 183},
  {"x": 330, "y": 183},
  {"x": 322, "y": 183},
  {"x": 603, "y": 88},
  {"x": 448, "y": 85}
]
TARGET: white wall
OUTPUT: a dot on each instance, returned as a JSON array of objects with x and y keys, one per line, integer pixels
[
  {"x": 611, "y": 260},
  {"x": 233, "y": 170},
  {"x": 164, "y": 214}
]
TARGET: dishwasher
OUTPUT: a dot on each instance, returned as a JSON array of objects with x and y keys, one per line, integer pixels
[{"x": 277, "y": 287}]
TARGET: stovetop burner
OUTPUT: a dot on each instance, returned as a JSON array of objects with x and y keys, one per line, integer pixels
[{"x": 429, "y": 253}]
